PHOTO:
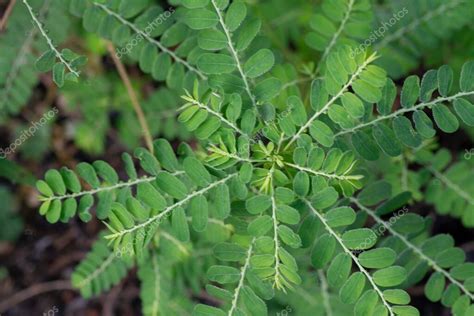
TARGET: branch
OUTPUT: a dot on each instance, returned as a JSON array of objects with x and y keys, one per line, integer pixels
[
  {"x": 241, "y": 281},
  {"x": 414, "y": 248},
  {"x": 332, "y": 100},
  {"x": 167, "y": 210},
  {"x": 5, "y": 17},
  {"x": 354, "y": 258},
  {"x": 48, "y": 40},
  {"x": 419, "y": 106},
  {"x": 336, "y": 35},
  {"x": 150, "y": 39},
  {"x": 33, "y": 291},
  {"x": 234, "y": 52},
  {"x": 133, "y": 97}
]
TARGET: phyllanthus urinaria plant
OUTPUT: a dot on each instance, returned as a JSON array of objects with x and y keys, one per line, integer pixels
[{"x": 289, "y": 184}]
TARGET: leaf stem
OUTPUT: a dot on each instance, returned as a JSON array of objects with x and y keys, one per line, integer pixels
[
  {"x": 133, "y": 97},
  {"x": 48, "y": 39},
  {"x": 234, "y": 53},
  {"x": 354, "y": 258},
  {"x": 411, "y": 246}
]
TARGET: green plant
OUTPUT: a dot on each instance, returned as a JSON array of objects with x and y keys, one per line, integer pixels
[{"x": 288, "y": 181}]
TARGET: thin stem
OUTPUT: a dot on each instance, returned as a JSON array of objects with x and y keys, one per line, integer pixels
[
  {"x": 414, "y": 24},
  {"x": 325, "y": 292},
  {"x": 234, "y": 52},
  {"x": 48, "y": 40},
  {"x": 276, "y": 241},
  {"x": 169, "y": 209},
  {"x": 150, "y": 39},
  {"x": 33, "y": 291},
  {"x": 242, "y": 279},
  {"x": 405, "y": 110},
  {"x": 411, "y": 246},
  {"x": 326, "y": 175},
  {"x": 156, "y": 274},
  {"x": 332, "y": 100},
  {"x": 21, "y": 57},
  {"x": 6, "y": 15},
  {"x": 98, "y": 271},
  {"x": 191, "y": 100},
  {"x": 354, "y": 258},
  {"x": 133, "y": 96},
  {"x": 334, "y": 38},
  {"x": 452, "y": 185}
]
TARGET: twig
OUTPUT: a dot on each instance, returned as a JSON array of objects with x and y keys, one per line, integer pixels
[
  {"x": 133, "y": 97},
  {"x": 5, "y": 17},
  {"x": 33, "y": 291}
]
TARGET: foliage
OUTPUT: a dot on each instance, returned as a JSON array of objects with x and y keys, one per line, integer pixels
[{"x": 301, "y": 176}]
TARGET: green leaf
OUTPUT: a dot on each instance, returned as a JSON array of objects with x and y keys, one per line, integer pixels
[
  {"x": 359, "y": 239},
  {"x": 390, "y": 276},
  {"x": 229, "y": 252},
  {"x": 199, "y": 210},
  {"x": 366, "y": 91},
  {"x": 341, "y": 216},
  {"x": 58, "y": 74},
  {"x": 445, "y": 80},
  {"x": 445, "y": 120},
  {"x": 179, "y": 224},
  {"x": 364, "y": 146},
  {"x": 352, "y": 288},
  {"x": 423, "y": 124},
  {"x": 260, "y": 226},
  {"x": 205, "y": 310},
  {"x": 429, "y": 83},
  {"x": 216, "y": 63},
  {"x": 386, "y": 139},
  {"x": 258, "y": 204},
  {"x": 465, "y": 110},
  {"x": 46, "y": 61},
  {"x": 339, "y": 270},
  {"x": 196, "y": 171},
  {"x": 434, "y": 288},
  {"x": 323, "y": 251},
  {"x": 377, "y": 258},
  {"x": 201, "y": 18},
  {"x": 353, "y": 105},
  {"x": 322, "y": 133},
  {"x": 235, "y": 15},
  {"x": 287, "y": 215},
  {"x": 171, "y": 185},
  {"x": 248, "y": 31},
  {"x": 325, "y": 198},
  {"x": 467, "y": 77},
  {"x": 405, "y": 132},
  {"x": 223, "y": 274},
  {"x": 287, "y": 235},
  {"x": 410, "y": 91},
  {"x": 259, "y": 63},
  {"x": 211, "y": 39},
  {"x": 399, "y": 297}
]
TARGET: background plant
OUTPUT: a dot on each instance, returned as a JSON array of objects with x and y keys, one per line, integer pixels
[{"x": 294, "y": 151}]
